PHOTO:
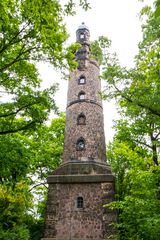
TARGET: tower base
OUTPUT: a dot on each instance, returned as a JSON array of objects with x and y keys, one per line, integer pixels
[{"x": 67, "y": 219}]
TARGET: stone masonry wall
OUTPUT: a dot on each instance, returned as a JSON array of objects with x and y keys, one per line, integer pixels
[
  {"x": 91, "y": 107},
  {"x": 92, "y": 132},
  {"x": 91, "y": 88},
  {"x": 64, "y": 221}
]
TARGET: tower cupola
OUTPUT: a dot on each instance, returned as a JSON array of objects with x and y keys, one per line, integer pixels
[
  {"x": 82, "y": 55},
  {"x": 83, "y": 34}
]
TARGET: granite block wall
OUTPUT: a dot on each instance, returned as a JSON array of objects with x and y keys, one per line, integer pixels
[{"x": 64, "y": 221}]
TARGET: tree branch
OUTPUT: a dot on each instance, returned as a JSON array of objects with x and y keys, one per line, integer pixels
[
  {"x": 157, "y": 135},
  {"x": 18, "y": 129},
  {"x": 143, "y": 143},
  {"x": 18, "y": 110},
  {"x": 153, "y": 111},
  {"x": 14, "y": 37},
  {"x": 17, "y": 59},
  {"x": 39, "y": 184}
]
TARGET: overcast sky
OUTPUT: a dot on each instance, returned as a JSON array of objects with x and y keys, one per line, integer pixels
[{"x": 119, "y": 21}]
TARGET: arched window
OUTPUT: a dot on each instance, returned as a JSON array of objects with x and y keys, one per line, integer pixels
[
  {"x": 81, "y": 95},
  {"x": 80, "y": 144},
  {"x": 82, "y": 36},
  {"x": 80, "y": 203},
  {"x": 81, "y": 80},
  {"x": 81, "y": 119}
]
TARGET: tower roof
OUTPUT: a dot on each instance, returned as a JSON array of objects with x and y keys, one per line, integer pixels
[{"x": 83, "y": 26}]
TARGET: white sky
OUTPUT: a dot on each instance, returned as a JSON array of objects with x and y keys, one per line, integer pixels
[{"x": 119, "y": 21}]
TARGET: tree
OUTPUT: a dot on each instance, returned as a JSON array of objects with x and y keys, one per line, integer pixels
[
  {"x": 135, "y": 85},
  {"x": 98, "y": 49},
  {"x": 137, "y": 90},
  {"x": 47, "y": 147},
  {"x": 14, "y": 205},
  {"x": 134, "y": 152},
  {"x": 25, "y": 162},
  {"x": 137, "y": 196},
  {"x": 30, "y": 31}
]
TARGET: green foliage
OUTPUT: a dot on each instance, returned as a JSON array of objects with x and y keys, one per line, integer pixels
[
  {"x": 30, "y": 31},
  {"x": 14, "y": 204},
  {"x": 134, "y": 153},
  {"x": 26, "y": 161},
  {"x": 70, "y": 6},
  {"x": 19, "y": 232},
  {"x": 157, "y": 11},
  {"x": 99, "y": 49},
  {"x": 137, "y": 191},
  {"x": 137, "y": 90},
  {"x": 47, "y": 147},
  {"x": 15, "y": 159}
]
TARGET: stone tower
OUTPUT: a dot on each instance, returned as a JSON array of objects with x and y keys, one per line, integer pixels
[{"x": 83, "y": 183}]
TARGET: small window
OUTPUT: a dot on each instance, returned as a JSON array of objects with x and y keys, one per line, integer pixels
[
  {"x": 81, "y": 120},
  {"x": 82, "y": 36},
  {"x": 81, "y": 95},
  {"x": 80, "y": 202},
  {"x": 80, "y": 144},
  {"x": 82, "y": 80}
]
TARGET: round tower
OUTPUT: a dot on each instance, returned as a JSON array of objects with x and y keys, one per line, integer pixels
[
  {"x": 84, "y": 132},
  {"x": 83, "y": 183}
]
